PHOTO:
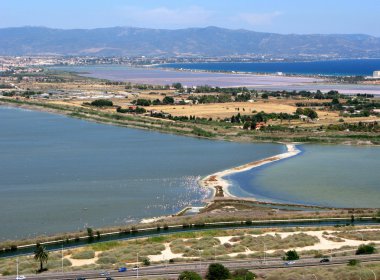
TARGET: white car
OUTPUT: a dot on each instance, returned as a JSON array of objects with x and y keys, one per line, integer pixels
[{"x": 20, "y": 277}]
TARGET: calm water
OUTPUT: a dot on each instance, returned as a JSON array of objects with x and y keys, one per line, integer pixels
[
  {"x": 63, "y": 174},
  {"x": 364, "y": 67},
  {"x": 342, "y": 176},
  {"x": 158, "y": 76}
]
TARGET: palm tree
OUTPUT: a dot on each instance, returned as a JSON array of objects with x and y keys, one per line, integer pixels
[{"x": 41, "y": 255}]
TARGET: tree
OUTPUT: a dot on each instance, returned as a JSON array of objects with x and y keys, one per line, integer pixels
[
  {"x": 41, "y": 255},
  {"x": 90, "y": 234},
  {"x": 264, "y": 96},
  {"x": 217, "y": 271},
  {"x": 168, "y": 100},
  {"x": 365, "y": 249},
  {"x": 177, "y": 86},
  {"x": 156, "y": 102},
  {"x": 307, "y": 112},
  {"x": 247, "y": 125},
  {"x": 102, "y": 103},
  {"x": 189, "y": 275},
  {"x": 291, "y": 255},
  {"x": 143, "y": 102},
  {"x": 310, "y": 113},
  {"x": 146, "y": 261},
  {"x": 299, "y": 111}
]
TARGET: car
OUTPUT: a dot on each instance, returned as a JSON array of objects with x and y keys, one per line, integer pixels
[
  {"x": 20, "y": 277},
  {"x": 122, "y": 269},
  {"x": 324, "y": 260},
  {"x": 135, "y": 267},
  {"x": 80, "y": 278},
  {"x": 105, "y": 273},
  {"x": 289, "y": 263},
  {"x": 109, "y": 278}
]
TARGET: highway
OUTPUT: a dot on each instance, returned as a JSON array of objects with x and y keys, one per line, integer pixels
[{"x": 173, "y": 270}]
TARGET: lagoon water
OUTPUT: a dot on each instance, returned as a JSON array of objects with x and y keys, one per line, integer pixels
[
  {"x": 158, "y": 76},
  {"x": 337, "y": 176},
  {"x": 344, "y": 67},
  {"x": 61, "y": 174}
]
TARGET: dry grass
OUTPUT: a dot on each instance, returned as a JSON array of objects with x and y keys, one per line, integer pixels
[
  {"x": 225, "y": 110},
  {"x": 359, "y": 235},
  {"x": 210, "y": 247}
]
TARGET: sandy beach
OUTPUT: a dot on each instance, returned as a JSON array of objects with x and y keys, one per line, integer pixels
[{"x": 220, "y": 186}]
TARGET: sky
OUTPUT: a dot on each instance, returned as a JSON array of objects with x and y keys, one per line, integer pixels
[{"x": 277, "y": 16}]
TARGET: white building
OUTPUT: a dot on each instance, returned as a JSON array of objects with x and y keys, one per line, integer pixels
[{"x": 376, "y": 74}]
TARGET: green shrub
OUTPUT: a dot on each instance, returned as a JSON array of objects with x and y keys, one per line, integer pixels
[
  {"x": 7, "y": 273},
  {"x": 104, "y": 246},
  {"x": 143, "y": 102},
  {"x": 291, "y": 255},
  {"x": 217, "y": 271},
  {"x": 353, "y": 262},
  {"x": 201, "y": 132},
  {"x": 168, "y": 100},
  {"x": 90, "y": 254},
  {"x": 106, "y": 260},
  {"x": 243, "y": 274},
  {"x": 365, "y": 249},
  {"x": 102, "y": 103},
  {"x": 189, "y": 275},
  {"x": 146, "y": 261}
]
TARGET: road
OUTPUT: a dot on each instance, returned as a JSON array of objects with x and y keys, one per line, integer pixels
[{"x": 172, "y": 270}]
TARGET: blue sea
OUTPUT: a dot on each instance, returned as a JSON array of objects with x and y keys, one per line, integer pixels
[{"x": 349, "y": 67}]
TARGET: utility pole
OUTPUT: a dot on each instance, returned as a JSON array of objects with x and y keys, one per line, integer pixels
[
  {"x": 137, "y": 266},
  {"x": 265, "y": 253},
  {"x": 200, "y": 262},
  {"x": 62, "y": 257}
]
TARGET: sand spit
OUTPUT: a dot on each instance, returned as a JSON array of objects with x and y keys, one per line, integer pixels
[{"x": 220, "y": 186}]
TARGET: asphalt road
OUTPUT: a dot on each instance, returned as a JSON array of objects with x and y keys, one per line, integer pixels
[{"x": 172, "y": 270}]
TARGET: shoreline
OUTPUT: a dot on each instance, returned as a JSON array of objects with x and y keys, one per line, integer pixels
[{"x": 220, "y": 186}]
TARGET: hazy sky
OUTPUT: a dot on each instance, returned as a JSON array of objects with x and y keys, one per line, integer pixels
[{"x": 280, "y": 16}]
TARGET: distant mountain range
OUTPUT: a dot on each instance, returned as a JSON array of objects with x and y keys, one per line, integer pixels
[{"x": 209, "y": 41}]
